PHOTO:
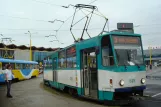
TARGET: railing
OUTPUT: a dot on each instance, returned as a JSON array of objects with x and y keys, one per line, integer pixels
[{"x": 154, "y": 77}]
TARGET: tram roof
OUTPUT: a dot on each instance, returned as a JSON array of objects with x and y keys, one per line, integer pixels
[
  {"x": 17, "y": 61},
  {"x": 121, "y": 33},
  {"x": 118, "y": 33}
]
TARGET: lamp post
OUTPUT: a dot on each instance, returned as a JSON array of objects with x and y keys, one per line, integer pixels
[
  {"x": 150, "y": 56},
  {"x": 150, "y": 53},
  {"x": 30, "y": 45}
]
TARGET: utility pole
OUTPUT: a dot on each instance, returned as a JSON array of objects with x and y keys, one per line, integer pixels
[{"x": 30, "y": 45}]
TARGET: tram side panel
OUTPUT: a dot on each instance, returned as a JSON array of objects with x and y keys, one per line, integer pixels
[
  {"x": 69, "y": 77},
  {"x": 48, "y": 74},
  {"x": 25, "y": 73}
]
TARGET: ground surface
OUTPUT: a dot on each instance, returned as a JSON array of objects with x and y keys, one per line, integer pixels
[{"x": 32, "y": 93}]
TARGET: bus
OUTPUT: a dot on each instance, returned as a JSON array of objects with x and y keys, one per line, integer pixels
[
  {"x": 109, "y": 68},
  {"x": 21, "y": 69}
]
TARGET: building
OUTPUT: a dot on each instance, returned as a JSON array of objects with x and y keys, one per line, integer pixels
[
  {"x": 23, "y": 52},
  {"x": 155, "y": 56},
  {"x": 40, "y": 53}
]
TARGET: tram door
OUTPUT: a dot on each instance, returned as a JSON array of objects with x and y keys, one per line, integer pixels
[
  {"x": 54, "y": 69},
  {"x": 89, "y": 72}
]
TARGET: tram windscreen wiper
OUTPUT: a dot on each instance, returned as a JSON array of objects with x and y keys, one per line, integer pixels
[{"x": 125, "y": 65}]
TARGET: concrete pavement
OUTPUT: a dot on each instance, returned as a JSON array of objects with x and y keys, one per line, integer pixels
[{"x": 32, "y": 93}]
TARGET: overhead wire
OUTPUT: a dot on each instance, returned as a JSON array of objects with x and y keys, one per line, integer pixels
[
  {"x": 70, "y": 17},
  {"x": 73, "y": 14},
  {"x": 150, "y": 25},
  {"x": 25, "y": 18},
  {"x": 92, "y": 1},
  {"x": 47, "y": 3},
  {"x": 44, "y": 20}
]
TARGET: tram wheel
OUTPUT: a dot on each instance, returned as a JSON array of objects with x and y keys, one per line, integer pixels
[{"x": 73, "y": 92}]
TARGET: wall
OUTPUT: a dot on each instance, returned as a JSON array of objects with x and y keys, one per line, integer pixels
[{"x": 22, "y": 54}]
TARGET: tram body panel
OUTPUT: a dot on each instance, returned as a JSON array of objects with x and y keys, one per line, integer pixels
[
  {"x": 131, "y": 79},
  {"x": 69, "y": 77},
  {"x": 48, "y": 74},
  {"x": 25, "y": 73}
]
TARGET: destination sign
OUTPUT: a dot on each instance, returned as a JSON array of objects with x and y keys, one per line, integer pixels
[{"x": 126, "y": 40}]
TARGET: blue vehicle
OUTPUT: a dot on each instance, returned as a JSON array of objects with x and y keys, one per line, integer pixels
[
  {"x": 21, "y": 69},
  {"x": 109, "y": 67}
]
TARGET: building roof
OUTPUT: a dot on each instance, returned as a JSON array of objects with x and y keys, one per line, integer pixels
[
  {"x": 23, "y": 47},
  {"x": 155, "y": 52}
]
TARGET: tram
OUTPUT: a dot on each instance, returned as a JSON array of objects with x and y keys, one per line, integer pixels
[
  {"x": 21, "y": 69},
  {"x": 108, "y": 67}
]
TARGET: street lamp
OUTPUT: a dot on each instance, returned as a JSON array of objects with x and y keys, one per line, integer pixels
[{"x": 30, "y": 45}]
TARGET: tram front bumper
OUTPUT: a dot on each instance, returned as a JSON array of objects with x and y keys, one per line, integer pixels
[{"x": 130, "y": 89}]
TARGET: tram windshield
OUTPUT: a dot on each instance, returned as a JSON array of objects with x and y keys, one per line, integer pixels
[{"x": 128, "y": 50}]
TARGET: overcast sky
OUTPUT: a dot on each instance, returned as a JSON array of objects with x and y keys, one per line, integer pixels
[{"x": 19, "y": 16}]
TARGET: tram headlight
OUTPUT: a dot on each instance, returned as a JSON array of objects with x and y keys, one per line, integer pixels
[
  {"x": 143, "y": 81},
  {"x": 122, "y": 82}
]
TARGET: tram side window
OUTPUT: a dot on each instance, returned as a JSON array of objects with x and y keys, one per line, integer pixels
[
  {"x": 12, "y": 66},
  {"x": 23, "y": 66},
  {"x": 62, "y": 59},
  {"x": 4, "y": 65},
  {"x": 48, "y": 64},
  {"x": 26, "y": 66},
  {"x": 18, "y": 66},
  {"x": 71, "y": 57},
  {"x": 32, "y": 66},
  {"x": 107, "y": 54}
]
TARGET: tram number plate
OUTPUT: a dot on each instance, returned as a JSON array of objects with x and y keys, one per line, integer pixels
[{"x": 131, "y": 80}]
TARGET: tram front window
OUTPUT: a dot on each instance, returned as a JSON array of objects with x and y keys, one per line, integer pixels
[{"x": 128, "y": 51}]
